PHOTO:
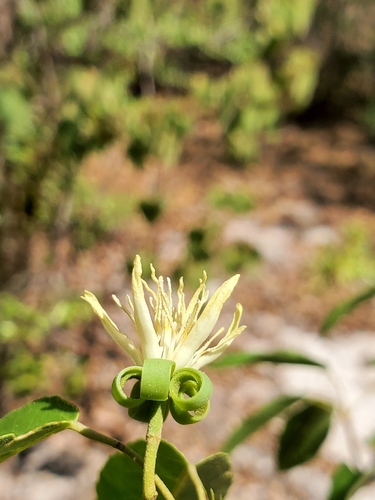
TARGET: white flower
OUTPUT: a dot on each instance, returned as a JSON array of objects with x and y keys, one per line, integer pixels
[{"x": 181, "y": 334}]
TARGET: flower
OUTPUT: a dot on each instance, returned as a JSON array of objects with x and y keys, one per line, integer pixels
[{"x": 179, "y": 333}]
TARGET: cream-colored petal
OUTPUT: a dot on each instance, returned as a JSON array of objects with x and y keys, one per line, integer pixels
[
  {"x": 120, "y": 338},
  {"x": 210, "y": 355},
  {"x": 205, "y": 354},
  {"x": 205, "y": 324},
  {"x": 192, "y": 311},
  {"x": 142, "y": 317}
]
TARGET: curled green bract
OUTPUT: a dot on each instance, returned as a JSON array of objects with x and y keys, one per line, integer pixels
[
  {"x": 156, "y": 377},
  {"x": 194, "y": 384},
  {"x": 133, "y": 372},
  {"x": 198, "y": 387},
  {"x": 186, "y": 391}
]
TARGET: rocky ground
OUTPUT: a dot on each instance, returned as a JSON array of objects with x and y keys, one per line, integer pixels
[{"x": 306, "y": 187}]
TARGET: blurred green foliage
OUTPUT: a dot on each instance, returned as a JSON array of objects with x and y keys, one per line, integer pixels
[
  {"x": 23, "y": 329},
  {"x": 240, "y": 256},
  {"x": 237, "y": 201},
  {"x": 198, "y": 244},
  {"x": 352, "y": 259},
  {"x": 344, "y": 31},
  {"x": 151, "y": 208},
  {"x": 75, "y": 78},
  {"x": 94, "y": 214}
]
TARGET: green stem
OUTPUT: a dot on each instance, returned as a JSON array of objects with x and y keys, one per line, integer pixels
[
  {"x": 153, "y": 438},
  {"x": 118, "y": 445}
]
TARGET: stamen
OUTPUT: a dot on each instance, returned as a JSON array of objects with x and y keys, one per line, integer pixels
[
  {"x": 129, "y": 301},
  {"x": 181, "y": 307},
  {"x": 153, "y": 274},
  {"x": 150, "y": 290},
  {"x": 129, "y": 313}
]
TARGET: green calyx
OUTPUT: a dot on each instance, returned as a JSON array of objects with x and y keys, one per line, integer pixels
[
  {"x": 187, "y": 391},
  {"x": 134, "y": 372},
  {"x": 198, "y": 387},
  {"x": 156, "y": 377}
]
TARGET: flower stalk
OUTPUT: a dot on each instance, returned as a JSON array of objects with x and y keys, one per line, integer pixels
[{"x": 153, "y": 438}]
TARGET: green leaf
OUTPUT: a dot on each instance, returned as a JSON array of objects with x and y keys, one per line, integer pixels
[
  {"x": 215, "y": 474},
  {"x": 345, "y": 308},
  {"x": 343, "y": 480},
  {"x": 250, "y": 358},
  {"x": 303, "y": 434},
  {"x": 121, "y": 477},
  {"x": 258, "y": 419},
  {"x": 365, "y": 479},
  {"x": 33, "y": 422}
]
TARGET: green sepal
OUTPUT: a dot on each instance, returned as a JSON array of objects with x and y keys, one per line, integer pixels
[
  {"x": 133, "y": 372},
  {"x": 195, "y": 384},
  {"x": 144, "y": 411},
  {"x": 156, "y": 377},
  {"x": 185, "y": 417},
  {"x": 191, "y": 382},
  {"x": 156, "y": 383}
]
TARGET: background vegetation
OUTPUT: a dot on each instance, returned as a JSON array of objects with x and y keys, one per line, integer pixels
[{"x": 78, "y": 76}]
